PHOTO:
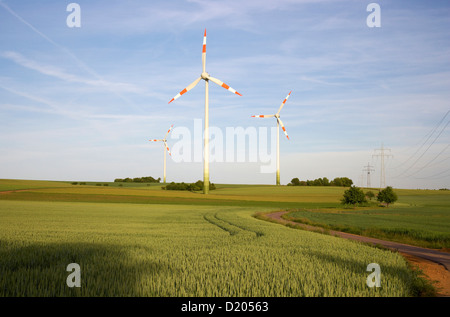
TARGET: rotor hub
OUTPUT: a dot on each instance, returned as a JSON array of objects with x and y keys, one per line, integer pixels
[{"x": 205, "y": 75}]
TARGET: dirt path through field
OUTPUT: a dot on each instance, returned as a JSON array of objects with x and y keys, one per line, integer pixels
[{"x": 435, "y": 264}]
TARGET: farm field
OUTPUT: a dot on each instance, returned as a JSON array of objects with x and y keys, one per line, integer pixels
[
  {"x": 420, "y": 218},
  {"x": 230, "y": 195},
  {"x": 143, "y": 241}
]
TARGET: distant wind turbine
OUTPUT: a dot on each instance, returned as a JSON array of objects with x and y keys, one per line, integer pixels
[
  {"x": 166, "y": 149},
  {"x": 205, "y": 76},
  {"x": 279, "y": 122}
]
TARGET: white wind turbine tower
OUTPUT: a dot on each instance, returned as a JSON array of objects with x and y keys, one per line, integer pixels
[
  {"x": 205, "y": 76},
  {"x": 166, "y": 149},
  {"x": 279, "y": 122}
]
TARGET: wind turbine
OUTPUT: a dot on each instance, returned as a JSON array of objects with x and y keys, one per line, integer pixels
[
  {"x": 205, "y": 76},
  {"x": 166, "y": 149},
  {"x": 279, "y": 122}
]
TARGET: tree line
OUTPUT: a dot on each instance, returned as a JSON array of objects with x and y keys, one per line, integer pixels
[
  {"x": 356, "y": 197},
  {"x": 146, "y": 179},
  {"x": 338, "y": 181},
  {"x": 198, "y": 185}
]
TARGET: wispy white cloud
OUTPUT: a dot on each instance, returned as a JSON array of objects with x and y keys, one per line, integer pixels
[
  {"x": 55, "y": 108},
  {"x": 66, "y": 51},
  {"x": 59, "y": 73}
]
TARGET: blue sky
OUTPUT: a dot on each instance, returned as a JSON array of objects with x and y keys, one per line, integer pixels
[{"x": 82, "y": 103}]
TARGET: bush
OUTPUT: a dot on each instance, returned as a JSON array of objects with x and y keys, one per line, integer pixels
[
  {"x": 338, "y": 181},
  {"x": 146, "y": 179},
  {"x": 353, "y": 196},
  {"x": 387, "y": 196},
  {"x": 342, "y": 181},
  {"x": 370, "y": 195},
  {"x": 197, "y": 186}
]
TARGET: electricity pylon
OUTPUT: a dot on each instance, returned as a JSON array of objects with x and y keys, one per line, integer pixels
[
  {"x": 368, "y": 169},
  {"x": 382, "y": 154}
]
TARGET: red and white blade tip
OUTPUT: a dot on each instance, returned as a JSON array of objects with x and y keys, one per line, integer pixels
[
  {"x": 284, "y": 130},
  {"x": 285, "y": 99},
  {"x": 204, "y": 43},
  {"x": 230, "y": 89},
  {"x": 185, "y": 90},
  {"x": 179, "y": 95},
  {"x": 222, "y": 84},
  {"x": 167, "y": 148}
]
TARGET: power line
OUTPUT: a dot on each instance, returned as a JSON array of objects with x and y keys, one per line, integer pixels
[
  {"x": 432, "y": 131},
  {"x": 427, "y": 136},
  {"x": 441, "y": 174},
  {"x": 442, "y": 130},
  {"x": 437, "y": 163},
  {"x": 423, "y": 167}
]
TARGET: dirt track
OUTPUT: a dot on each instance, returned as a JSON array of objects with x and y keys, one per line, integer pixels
[{"x": 435, "y": 264}]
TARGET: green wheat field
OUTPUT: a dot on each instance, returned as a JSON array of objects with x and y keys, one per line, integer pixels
[{"x": 140, "y": 240}]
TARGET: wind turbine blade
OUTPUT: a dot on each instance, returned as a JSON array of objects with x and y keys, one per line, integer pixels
[
  {"x": 168, "y": 131},
  {"x": 284, "y": 101},
  {"x": 204, "y": 52},
  {"x": 154, "y": 140},
  {"x": 282, "y": 126},
  {"x": 222, "y": 84},
  {"x": 263, "y": 116},
  {"x": 185, "y": 90},
  {"x": 167, "y": 148}
]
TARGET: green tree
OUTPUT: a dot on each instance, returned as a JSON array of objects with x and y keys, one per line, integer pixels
[
  {"x": 387, "y": 196},
  {"x": 295, "y": 182},
  {"x": 353, "y": 196},
  {"x": 336, "y": 182},
  {"x": 370, "y": 195},
  {"x": 342, "y": 181},
  {"x": 197, "y": 186},
  {"x": 317, "y": 182},
  {"x": 346, "y": 182}
]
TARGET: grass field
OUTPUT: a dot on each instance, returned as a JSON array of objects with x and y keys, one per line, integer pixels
[
  {"x": 420, "y": 218},
  {"x": 143, "y": 241}
]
